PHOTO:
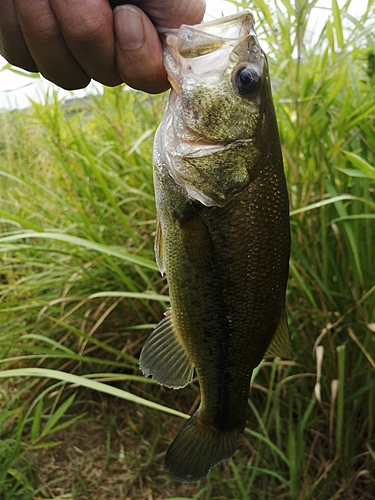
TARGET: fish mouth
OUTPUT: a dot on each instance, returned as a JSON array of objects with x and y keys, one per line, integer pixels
[
  {"x": 192, "y": 49},
  {"x": 197, "y": 139}
]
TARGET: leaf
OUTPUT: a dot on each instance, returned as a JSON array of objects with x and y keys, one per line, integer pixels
[
  {"x": 91, "y": 245},
  {"x": 27, "y": 74},
  {"x": 352, "y": 173},
  {"x": 45, "y": 445},
  {"x": 337, "y": 24},
  {"x": 35, "y": 428},
  {"x": 363, "y": 165},
  {"x": 64, "y": 425},
  {"x": 322, "y": 203},
  {"x": 83, "y": 381},
  {"x": 57, "y": 415},
  {"x": 132, "y": 295},
  {"x": 21, "y": 222}
]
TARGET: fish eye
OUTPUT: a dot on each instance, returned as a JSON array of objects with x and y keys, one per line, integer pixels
[{"x": 246, "y": 81}]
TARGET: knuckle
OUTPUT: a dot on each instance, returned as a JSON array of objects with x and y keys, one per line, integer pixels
[
  {"x": 41, "y": 26},
  {"x": 87, "y": 30}
]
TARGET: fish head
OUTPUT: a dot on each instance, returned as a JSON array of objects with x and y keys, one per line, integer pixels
[
  {"x": 208, "y": 138},
  {"x": 217, "y": 71}
]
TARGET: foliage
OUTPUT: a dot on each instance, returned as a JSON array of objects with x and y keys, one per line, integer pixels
[{"x": 79, "y": 290}]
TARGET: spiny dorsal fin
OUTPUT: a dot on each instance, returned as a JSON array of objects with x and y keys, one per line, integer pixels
[
  {"x": 280, "y": 345},
  {"x": 164, "y": 358}
]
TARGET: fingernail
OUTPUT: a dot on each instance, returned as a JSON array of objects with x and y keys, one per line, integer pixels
[{"x": 129, "y": 27}]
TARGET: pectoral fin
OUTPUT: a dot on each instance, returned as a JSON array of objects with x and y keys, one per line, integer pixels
[
  {"x": 159, "y": 247},
  {"x": 280, "y": 345},
  {"x": 196, "y": 239},
  {"x": 164, "y": 357}
]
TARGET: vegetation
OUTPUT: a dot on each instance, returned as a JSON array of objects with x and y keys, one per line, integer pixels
[{"x": 79, "y": 289}]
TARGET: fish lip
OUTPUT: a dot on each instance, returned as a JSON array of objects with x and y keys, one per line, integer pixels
[
  {"x": 244, "y": 13},
  {"x": 169, "y": 40},
  {"x": 199, "y": 139},
  {"x": 174, "y": 84}
]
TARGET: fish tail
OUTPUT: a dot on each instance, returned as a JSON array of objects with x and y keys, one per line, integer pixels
[{"x": 197, "y": 448}]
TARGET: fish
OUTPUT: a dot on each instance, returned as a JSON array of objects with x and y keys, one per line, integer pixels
[{"x": 222, "y": 234}]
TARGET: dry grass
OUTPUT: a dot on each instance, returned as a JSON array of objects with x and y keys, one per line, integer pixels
[{"x": 115, "y": 452}]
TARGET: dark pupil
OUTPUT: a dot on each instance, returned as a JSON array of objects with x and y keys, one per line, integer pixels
[{"x": 248, "y": 80}]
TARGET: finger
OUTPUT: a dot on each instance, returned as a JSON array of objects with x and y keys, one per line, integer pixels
[
  {"x": 12, "y": 43},
  {"x": 138, "y": 50},
  {"x": 47, "y": 45},
  {"x": 173, "y": 13},
  {"x": 87, "y": 28}
]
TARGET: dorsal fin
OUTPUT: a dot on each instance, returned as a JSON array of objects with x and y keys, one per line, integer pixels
[{"x": 280, "y": 345}]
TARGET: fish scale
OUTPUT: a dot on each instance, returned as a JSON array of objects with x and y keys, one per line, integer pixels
[{"x": 223, "y": 236}]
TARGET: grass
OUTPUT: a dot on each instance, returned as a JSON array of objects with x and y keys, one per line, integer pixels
[{"x": 80, "y": 292}]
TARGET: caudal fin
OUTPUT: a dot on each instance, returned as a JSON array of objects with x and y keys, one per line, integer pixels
[{"x": 196, "y": 449}]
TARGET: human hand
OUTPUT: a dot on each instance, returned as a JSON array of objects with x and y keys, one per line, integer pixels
[{"x": 71, "y": 42}]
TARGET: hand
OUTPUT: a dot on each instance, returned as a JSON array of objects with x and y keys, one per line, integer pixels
[{"x": 71, "y": 42}]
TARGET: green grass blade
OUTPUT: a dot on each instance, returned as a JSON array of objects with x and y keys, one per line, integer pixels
[{"x": 82, "y": 381}]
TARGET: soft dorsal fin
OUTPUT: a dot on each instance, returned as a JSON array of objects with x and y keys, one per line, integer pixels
[
  {"x": 280, "y": 345},
  {"x": 164, "y": 358}
]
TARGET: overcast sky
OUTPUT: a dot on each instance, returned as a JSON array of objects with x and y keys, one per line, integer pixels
[{"x": 15, "y": 89}]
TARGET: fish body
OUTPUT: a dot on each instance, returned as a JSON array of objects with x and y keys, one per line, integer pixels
[{"x": 222, "y": 236}]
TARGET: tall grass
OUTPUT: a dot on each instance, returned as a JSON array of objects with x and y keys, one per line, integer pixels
[
  {"x": 78, "y": 277},
  {"x": 79, "y": 289}
]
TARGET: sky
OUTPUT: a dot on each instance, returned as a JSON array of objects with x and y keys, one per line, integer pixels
[{"x": 16, "y": 89}]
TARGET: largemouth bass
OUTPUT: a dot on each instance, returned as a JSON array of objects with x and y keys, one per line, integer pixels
[{"x": 222, "y": 235}]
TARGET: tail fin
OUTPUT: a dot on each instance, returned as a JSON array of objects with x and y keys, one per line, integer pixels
[{"x": 197, "y": 448}]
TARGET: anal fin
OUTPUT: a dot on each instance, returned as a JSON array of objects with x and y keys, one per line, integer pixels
[
  {"x": 280, "y": 345},
  {"x": 164, "y": 358}
]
